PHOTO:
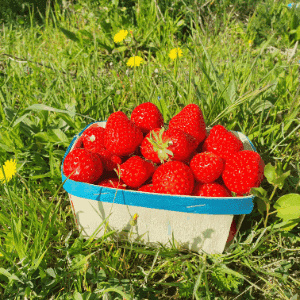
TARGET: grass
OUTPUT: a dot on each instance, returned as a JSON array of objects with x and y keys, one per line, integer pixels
[{"x": 62, "y": 73}]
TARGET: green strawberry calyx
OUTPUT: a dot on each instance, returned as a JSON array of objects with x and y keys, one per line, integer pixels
[{"x": 160, "y": 145}]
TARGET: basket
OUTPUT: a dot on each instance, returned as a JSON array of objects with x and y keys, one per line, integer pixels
[{"x": 199, "y": 224}]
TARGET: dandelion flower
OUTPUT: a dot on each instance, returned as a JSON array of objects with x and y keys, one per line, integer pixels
[
  {"x": 250, "y": 42},
  {"x": 174, "y": 53},
  {"x": 120, "y": 36},
  {"x": 134, "y": 220},
  {"x": 10, "y": 168},
  {"x": 134, "y": 61}
]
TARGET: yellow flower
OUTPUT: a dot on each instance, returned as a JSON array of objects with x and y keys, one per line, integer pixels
[
  {"x": 10, "y": 168},
  {"x": 134, "y": 61},
  {"x": 176, "y": 52},
  {"x": 120, "y": 36},
  {"x": 250, "y": 42},
  {"x": 133, "y": 222}
]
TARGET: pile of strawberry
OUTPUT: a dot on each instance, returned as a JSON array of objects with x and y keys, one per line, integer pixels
[{"x": 140, "y": 154}]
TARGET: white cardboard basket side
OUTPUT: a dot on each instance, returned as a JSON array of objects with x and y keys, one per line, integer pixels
[{"x": 196, "y": 232}]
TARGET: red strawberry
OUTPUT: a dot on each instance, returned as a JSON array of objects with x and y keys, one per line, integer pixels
[
  {"x": 121, "y": 136},
  {"x": 211, "y": 190},
  {"x": 207, "y": 167},
  {"x": 147, "y": 148},
  {"x": 110, "y": 161},
  {"x": 181, "y": 144},
  {"x": 113, "y": 183},
  {"x": 232, "y": 231},
  {"x": 189, "y": 159},
  {"x": 147, "y": 116},
  {"x": 93, "y": 138},
  {"x": 243, "y": 171},
  {"x": 173, "y": 144},
  {"x": 173, "y": 177},
  {"x": 135, "y": 171},
  {"x": 151, "y": 167},
  {"x": 191, "y": 121},
  {"x": 87, "y": 166},
  {"x": 147, "y": 188},
  {"x": 222, "y": 142}
]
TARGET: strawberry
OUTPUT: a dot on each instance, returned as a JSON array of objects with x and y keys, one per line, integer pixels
[
  {"x": 87, "y": 166},
  {"x": 147, "y": 188},
  {"x": 121, "y": 137},
  {"x": 147, "y": 116},
  {"x": 173, "y": 144},
  {"x": 93, "y": 138},
  {"x": 222, "y": 142},
  {"x": 243, "y": 171},
  {"x": 206, "y": 167},
  {"x": 110, "y": 161},
  {"x": 232, "y": 231},
  {"x": 173, "y": 177},
  {"x": 113, "y": 183},
  {"x": 189, "y": 159},
  {"x": 181, "y": 144},
  {"x": 135, "y": 171},
  {"x": 191, "y": 121},
  {"x": 147, "y": 148},
  {"x": 211, "y": 190}
]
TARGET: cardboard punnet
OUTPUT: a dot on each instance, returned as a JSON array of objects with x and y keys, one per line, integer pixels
[{"x": 186, "y": 222}]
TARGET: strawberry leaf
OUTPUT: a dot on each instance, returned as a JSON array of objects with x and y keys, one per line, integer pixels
[
  {"x": 288, "y": 207},
  {"x": 262, "y": 206},
  {"x": 260, "y": 193},
  {"x": 279, "y": 181},
  {"x": 270, "y": 172},
  {"x": 275, "y": 175}
]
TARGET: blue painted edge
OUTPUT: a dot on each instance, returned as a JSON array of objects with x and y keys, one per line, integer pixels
[{"x": 187, "y": 204}]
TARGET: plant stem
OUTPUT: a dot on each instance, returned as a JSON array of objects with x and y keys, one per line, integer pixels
[
  {"x": 134, "y": 85},
  {"x": 175, "y": 74},
  {"x": 267, "y": 216}
]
